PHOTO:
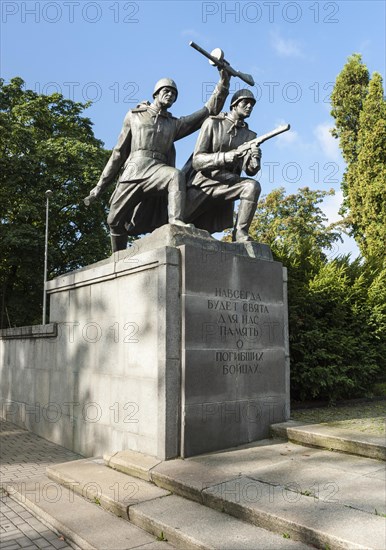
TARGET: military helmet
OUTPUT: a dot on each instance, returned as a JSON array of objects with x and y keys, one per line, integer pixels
[
  {"x": 242, "y": 94},
  {"x": 163, "y": 83}
]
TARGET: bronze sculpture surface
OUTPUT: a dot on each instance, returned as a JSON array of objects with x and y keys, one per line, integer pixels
[
  {"x": 151, "y": 191},
  {"x": 225, "y": 148},
  {"x": 218, "y": 181}
]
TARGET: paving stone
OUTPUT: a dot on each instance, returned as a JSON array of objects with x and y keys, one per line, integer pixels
[
  {"x": 249, "y": 483},
  {"x": 86, "y": 524},
  {"x": 40, "y": 542},
  {"x": 33, "y": 454}
]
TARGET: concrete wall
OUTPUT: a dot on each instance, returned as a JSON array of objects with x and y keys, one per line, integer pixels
[{"x": 106, "y": 376}]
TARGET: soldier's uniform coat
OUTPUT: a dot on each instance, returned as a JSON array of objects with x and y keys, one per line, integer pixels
[
  {"x": 213, "y": 187},
  {"x": 146, "y": 153}
]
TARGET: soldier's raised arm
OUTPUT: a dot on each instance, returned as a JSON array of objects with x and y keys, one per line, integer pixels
[{"x": 189, "y": 124}]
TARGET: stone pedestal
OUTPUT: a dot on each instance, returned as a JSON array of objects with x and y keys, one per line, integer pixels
[
  {"x": 175, "y": 347},
  {"x": 234, "y": 349}
]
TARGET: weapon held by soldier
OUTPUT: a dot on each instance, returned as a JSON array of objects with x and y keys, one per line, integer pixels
[
  {"x": 216, "y": 57},
  {"x": 248, "y": 145}
]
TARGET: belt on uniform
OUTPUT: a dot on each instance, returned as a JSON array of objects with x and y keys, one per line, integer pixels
[{"x": 149, "y": 154}]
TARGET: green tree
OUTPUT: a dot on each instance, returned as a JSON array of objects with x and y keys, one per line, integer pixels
[
  {"x": 367, "y": 191},
  {"x": 338, "y": 337},
  {"x": 45, "y": 143},
  {"x": 359, "y": 109},
  {"x": 337, "y": 309},
  {"x": 347, "y": 100},
  {"x": 295, "y": 227}
]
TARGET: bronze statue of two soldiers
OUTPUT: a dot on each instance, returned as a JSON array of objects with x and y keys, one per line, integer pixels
[{"x": 151, "y": 192}]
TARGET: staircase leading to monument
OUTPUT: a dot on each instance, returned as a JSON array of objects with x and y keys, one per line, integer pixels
[{"x": 272, "y": 494}]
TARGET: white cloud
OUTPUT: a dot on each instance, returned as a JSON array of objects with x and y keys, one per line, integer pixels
[
  {"x": 328, "y": 144},
  {"x": 287, "y": 138},
  {"x": 330, "y": 207},
  {"x": 285, "y": 47}
]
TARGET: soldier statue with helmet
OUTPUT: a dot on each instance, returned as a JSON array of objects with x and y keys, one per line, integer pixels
[
  {"x": 216, "y": 182},
  {"x": 150, "y": 191}
]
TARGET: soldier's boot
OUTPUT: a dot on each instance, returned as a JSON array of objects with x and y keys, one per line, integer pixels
[
  {"x": 176, "y": 207},
  {"x": 118, "y": 242},
  {"x": 244, "y": 219}
]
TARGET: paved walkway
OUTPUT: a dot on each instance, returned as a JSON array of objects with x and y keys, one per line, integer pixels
[
  {"x": 309, "y": 495},
  {"x": 24, "y": 456}
]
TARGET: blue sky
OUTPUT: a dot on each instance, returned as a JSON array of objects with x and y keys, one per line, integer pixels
[{"x": 113, "y": 52}]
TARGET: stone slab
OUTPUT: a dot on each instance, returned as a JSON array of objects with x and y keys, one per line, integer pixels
[
  {"x": 234, "y": 352},
  {"x": 187, "y": 479},
  {"x": 353, "y": 464},
  {"x": 191, "y": 476},
  {"x": 302, "y": 517},
  {"x": 83, "y": 523},
  {"x": 327, "y": 484},
  {"x": 175, "y": 236},
  {"x": 113, "y": 490},
  {"x": 191, "y": 526},
  {"x": 172, "y": 236},
  {"x": 292, "y": 476},
  {"x": 132, "y": 463},
  {"x": 322, "y": 435},
  {"x": 34, "y": 331}
]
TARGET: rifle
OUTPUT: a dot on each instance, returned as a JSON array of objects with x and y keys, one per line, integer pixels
[
  {"x": 245, "y": 147},
  {"x": 216, "y": 57}
]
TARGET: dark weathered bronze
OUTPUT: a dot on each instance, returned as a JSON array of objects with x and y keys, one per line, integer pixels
[
  {"x": 151, "y": 191},
  {"x": 216, "y": 57},
  {"x": 225, "y": 148},
  {"x": 247, "y": 146}
]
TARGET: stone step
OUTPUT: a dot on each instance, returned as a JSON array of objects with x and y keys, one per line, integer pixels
[
  {"x": 333, "y": 438},
  {"x": 84, "y": 524},
  {"x": 190, "y": 526},
  {"x": 113, "y": 490},
  {"x": 323, "y": 498},
  {"x": 185, "y": 524}
]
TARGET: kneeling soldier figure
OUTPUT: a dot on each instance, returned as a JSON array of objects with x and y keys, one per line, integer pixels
[{"x": 217, "y": 182}]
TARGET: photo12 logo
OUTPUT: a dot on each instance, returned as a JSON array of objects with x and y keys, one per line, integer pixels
[
  {"x": 118, "y": 92},
  {"x": 273, "y": 91},
  {"x": 269, "y": 12},
  {"x": 69, "y": 12}
]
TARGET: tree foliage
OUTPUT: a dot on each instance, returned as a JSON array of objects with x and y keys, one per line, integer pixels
[
  {"x": 295, "y": 226},
  {"x": 347, "y": 99},
  {"x": 337, "y": 347},
  {"x": 359, "y": 109},
  {"x": 337, "y": 309},
  {"x": 367, "y": 191},
  {"x": 46, "y": 143}
]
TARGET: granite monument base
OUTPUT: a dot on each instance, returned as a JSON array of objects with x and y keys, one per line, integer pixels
[{"x": 174, "y": 347}]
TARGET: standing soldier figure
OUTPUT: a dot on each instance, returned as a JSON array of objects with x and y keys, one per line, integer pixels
[
  {"x": 218, "y": 182},
  {"x": 151, "y": 191}
]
